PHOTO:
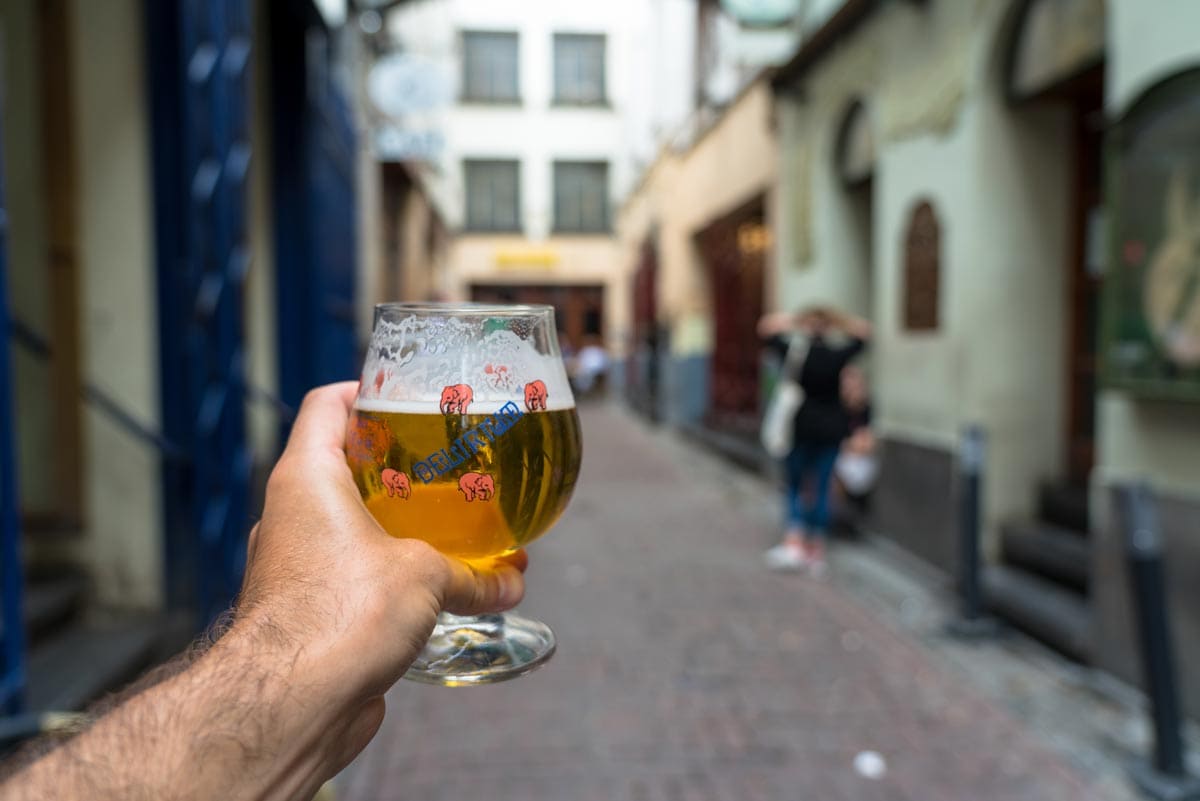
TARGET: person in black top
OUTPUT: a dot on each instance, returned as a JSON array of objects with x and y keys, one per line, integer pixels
[{"x": 820, "y": 425}]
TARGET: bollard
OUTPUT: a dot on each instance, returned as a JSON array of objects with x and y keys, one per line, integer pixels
[
  {"x": 1163, "y": 777},
  {"x": 973, "y": 622}
]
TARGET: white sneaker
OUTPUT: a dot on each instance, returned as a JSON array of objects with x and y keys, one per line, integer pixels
[{"x": 785, "y": 557}]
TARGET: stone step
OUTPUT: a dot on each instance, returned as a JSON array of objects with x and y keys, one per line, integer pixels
[
  {"x": 51, "y": 602},
  {"x": 1050, "y": 613},
  {"x": 1059, "y": 554},
  {"x": 1064, "y": 505},
  {"x": 84, "y": 660}
]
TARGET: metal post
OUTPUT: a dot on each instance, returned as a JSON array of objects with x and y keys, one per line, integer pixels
[
  {"x": 973, "y": 622},
  {"x": 12, "y": 625},
  {"x": 1163, "y": 777}
]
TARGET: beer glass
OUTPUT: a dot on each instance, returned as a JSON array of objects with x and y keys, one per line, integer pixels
[{"x": 464, "y": 434}]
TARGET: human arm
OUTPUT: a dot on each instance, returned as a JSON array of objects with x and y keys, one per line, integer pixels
[
  {"x": 853, "y": 325},
  {"x": 776, "y": 324},
  {"x": 331, "y": 614}
]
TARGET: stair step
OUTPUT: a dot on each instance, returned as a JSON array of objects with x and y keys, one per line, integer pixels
[
  {"x": 1057, "y": 617},
  {"x": 1064, "y": 505},
  {"x": 50, "y": 602},
  {"x": 86, "y": 660},
  {"x": 1059, "y": 554}
]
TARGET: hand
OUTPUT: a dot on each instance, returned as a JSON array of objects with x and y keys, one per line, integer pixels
[
  {"x": 776, "y": 323},
  {"x": 855, "y": 326},
  {"x": 332, "y": 613},
  {"x": 321, "y": 573}
]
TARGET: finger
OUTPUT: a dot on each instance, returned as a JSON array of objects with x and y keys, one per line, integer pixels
[
  {"x": 479, "y": 590},
  {"x": 252, "y": 543},
  {"x": 321, "y": 421},
  {"x": 518, "y": 559}
]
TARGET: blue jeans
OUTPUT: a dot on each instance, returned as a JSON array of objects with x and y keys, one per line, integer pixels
[{"x": 813, "y": 465}]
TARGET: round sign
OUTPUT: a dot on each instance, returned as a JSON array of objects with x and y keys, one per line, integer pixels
[
  {"x": 404, "y": 83},
  {"x": 762, "y": 13}
]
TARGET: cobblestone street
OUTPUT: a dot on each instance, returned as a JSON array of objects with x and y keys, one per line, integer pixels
[{"x": 686, "y": 670}]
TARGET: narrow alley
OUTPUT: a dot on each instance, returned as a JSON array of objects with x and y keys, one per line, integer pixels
[{"x": 686, "y": 670}]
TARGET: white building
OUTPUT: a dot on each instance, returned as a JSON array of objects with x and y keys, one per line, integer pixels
[{"x": 551, "y": 109}]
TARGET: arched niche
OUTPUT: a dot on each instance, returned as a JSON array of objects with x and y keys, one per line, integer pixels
[
  {"x": 1052, "y": 43},
  {"x": 854, "y": 152}
]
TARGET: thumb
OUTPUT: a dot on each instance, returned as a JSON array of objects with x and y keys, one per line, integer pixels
[{"x": 481, "y": 588}]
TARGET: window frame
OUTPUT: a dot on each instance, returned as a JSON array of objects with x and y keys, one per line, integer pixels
[
  {"x": 557, "y": 224},
  {"x": 558, "y": 98},
  {"x": 466, "y": 93},
  {"x": 490, "y": 227}
]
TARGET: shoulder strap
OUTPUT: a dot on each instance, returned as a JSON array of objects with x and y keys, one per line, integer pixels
[{"x": 797, "y": 352}]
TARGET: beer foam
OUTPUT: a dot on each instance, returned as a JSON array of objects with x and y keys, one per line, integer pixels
[
  {"x": 409, "y": 364},
  {"x": 431, "y": 407}
]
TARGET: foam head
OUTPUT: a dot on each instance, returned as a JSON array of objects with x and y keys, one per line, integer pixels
[{"x": 420, "y": 358}]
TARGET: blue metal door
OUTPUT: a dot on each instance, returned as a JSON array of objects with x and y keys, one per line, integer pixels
[
  {"x": 314, "y": 201},
  {"x": 199, "y": 59},
  {"x": 12, "y": 628}
]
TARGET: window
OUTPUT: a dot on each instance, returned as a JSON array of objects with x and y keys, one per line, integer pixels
[
  {"x": 489, "y": 67},
  {"x": 580, "y": 196},
  {"x": 922, "y": 269},
  {"x": 579, "y": 69},
  {"x": 493, "y": 195}
]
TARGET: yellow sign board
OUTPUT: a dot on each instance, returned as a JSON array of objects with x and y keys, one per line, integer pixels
[{"x": 526, "y": 257}]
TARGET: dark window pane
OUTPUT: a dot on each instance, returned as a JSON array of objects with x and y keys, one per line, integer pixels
[
  {"x": 579, "y": 68},
  {"x": 489, "y": 67},
  {"x": 493, "y": 195},
  {"x": 580, "y": 196}
]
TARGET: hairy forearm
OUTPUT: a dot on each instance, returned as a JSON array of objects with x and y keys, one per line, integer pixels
[{"x": 237, "y": 723}]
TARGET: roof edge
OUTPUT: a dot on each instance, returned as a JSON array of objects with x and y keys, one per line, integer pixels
[{"x": 844, "y": 22}]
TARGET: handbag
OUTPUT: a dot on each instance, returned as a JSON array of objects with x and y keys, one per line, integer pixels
[{"x": 780, "y": 416}]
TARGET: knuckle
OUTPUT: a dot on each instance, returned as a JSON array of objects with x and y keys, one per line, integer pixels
[
  {"x": 311, "y": 396},
  {"x": 282, "y": 475},
  {"x": 425, "y": 564}
]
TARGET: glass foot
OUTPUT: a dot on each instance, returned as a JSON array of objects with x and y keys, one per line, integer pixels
[{"x": 482, "y": 650}]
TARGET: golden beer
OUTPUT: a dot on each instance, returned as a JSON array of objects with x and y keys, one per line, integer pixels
[{"x": 473, "y": 485}]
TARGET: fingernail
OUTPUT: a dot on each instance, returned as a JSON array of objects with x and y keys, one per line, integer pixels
[{"x": 510, "y": 587}]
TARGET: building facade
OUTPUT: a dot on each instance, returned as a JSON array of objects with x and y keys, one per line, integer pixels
[
  {"x": 551, "y": 110},
  {"x": 180, "y": 214},
  {"x": 697, "y": 233},
  {"x": 697, "y": 237},
  {"x": 964, "y": 174}
]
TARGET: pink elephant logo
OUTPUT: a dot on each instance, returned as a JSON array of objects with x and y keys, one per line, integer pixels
[
  {"x": 396, "y": 483},
  {"x": 535, "y": 396},
  {"x": 477, "y": 486},
  {"x": 456, "y": 398}
]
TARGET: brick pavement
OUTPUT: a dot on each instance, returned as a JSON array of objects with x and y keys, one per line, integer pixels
[{"x": 687, "y": 671}]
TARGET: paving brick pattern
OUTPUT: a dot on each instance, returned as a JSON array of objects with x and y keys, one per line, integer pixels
[{"x": 688, "y": 672}]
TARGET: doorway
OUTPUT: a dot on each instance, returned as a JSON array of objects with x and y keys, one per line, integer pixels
[
  {"x": 734, "y": 250},
  {"x": 1085, "y": 263},
  {"x": 578, "y": 309}
]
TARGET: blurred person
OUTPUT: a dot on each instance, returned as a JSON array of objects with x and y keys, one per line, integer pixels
[
  {"x": 331, "y": 613},
  {"x": 567, "y": 348},
  {"x": 819, "y": 426},
  {"x": 591, "y": 365},
  {"x": 857, "y": 464}
]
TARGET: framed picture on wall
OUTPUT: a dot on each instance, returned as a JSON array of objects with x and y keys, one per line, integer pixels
[{"x": 1151, "y": 318}]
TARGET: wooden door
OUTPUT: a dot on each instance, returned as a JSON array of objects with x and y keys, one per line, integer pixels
[
  {"x": 734, "y": 251},
  {"x": 1086, "y": 254}
]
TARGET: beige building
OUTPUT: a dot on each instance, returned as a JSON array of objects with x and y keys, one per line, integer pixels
[
  {"x": 952, "y": 169},
  {"x": 696, "y": 234}
]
